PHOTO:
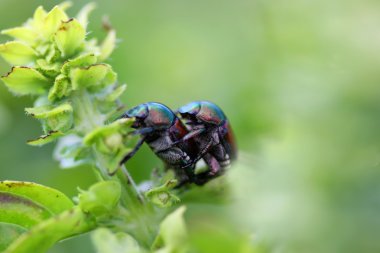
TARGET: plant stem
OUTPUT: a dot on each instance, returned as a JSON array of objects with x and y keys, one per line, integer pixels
[
  {"x": 133, "y": 184},
  {"x": 87, "y": 117}
]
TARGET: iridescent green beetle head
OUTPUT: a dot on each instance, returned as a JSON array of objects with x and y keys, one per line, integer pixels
[
  {"x": 151, "y": 114},
  {"x": 139, "y": 112},
  {"x": 202, "y": 112}
]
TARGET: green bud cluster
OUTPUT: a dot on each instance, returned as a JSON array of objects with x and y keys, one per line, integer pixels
[
  {"x": 76, "y": 92},
  {"x": 101, "y": 198}
]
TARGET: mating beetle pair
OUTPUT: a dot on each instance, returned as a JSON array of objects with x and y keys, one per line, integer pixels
[{"x": 203, "y": 133}]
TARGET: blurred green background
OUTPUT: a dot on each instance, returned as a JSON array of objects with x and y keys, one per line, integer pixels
[{"x": 300, "y": 82}]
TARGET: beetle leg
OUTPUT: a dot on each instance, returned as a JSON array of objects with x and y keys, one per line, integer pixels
[
  {"x": 201, "y": 154},
  {"x": 142, "y": 131},
  {"x": 173, "y": 156},
  {"x": 213, "y": 164},
  {"x": 215, "y": 170},
  {"x": 221, "y": 154},
  {"x": 190, "y": 135},
  {"x": 185, "y": 176},
  {"x": 133, "y": 152}
]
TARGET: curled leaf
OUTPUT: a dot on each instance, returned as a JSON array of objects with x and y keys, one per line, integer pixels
[
  {"x": 53, "y": 54},
  {"x": 69, "y": 37},
  {"x": 84, "y": 13},
  {"x": 24, "y": 81},
  {"x": 43, "y": 112},
  {"x": 17, "y": 53},
  {"x": 161, "y": 196},
  {"x": 45, "y": 139},
  {"x": 60, "y": 88},
  {"x": 99, "y": 75},
  {"x": 48, "y": 69},
  {"x": 53, "y": 118},
  {"x": 80, "y": 61}
]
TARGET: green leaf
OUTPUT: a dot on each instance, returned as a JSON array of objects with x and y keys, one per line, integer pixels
[
  {"x": 20, "y": 210},
  {"x": 99, "y": 75},
  {"x": 100, "y": 198},
  {"x": 105, "y": 140},
  {"x": 115, "y": 94},
  {"x": 84, "y": 13},
  {"x": 172, "y": 236},
  {"x": 108, "y": 45},
  {"x": 113, "y": 161},
  {"x": 54, "y": 118},
  {"x": 41, "y": 237},
  {"x": 107, "y": 242},
  {"x": 52, "y": 21},
  {"x": 161, "y": 196},
  {"x": 69, "y": 37},
  {"x": 53, "y": 54},
  {"x": 48, "y": 69},
  {"x": 60, "y": 88},
  {"x": 107, "y": 98},
  {"x": 45, "y": 139},
  {"x": 17, "y": 53},
  {"x": 80, "y": 61},
  {"x": 25, "y": 34},
  {"x": 65, "y": 5},
  {"x": 38, "y": 19},
  {"x": 44, "y": 112},
  {"x": 24, "y": 81},
  {"x": 51, "y": 199},
  {"x": 9, "y": 233}
]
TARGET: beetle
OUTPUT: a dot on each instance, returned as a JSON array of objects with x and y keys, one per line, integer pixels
[
  {"x": 212, "y": 133},
  {"x": 161, "y": 129}
]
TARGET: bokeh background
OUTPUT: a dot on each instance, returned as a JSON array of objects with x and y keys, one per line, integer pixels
[{"x": 300, "y": 82}]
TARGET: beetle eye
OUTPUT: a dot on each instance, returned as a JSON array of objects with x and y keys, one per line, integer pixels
[
  {"x": 189, "y": 119},
  {"x": 137, "y": 123}
]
